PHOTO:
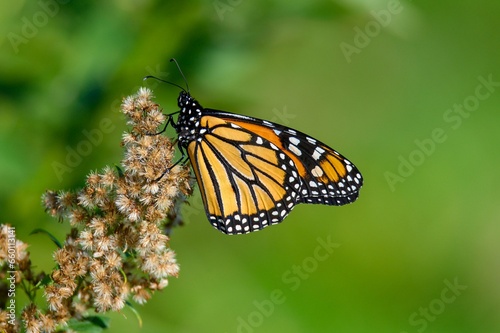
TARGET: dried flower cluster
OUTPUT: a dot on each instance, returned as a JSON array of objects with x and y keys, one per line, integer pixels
[{"x": 118, "y": 247}]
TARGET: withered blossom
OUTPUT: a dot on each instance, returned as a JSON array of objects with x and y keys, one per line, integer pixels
[{"x": 117, "y": 249}]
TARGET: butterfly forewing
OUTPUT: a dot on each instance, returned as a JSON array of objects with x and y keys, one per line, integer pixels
[{"x": 327, "y": 177}]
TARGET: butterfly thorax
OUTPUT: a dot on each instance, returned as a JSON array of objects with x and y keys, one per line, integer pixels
[{"x": 188, "y": 123}]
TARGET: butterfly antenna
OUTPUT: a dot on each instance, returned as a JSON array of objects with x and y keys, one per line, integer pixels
[
  {"x": 161, "y": 80},
  {"x": 180, "y": 71}
]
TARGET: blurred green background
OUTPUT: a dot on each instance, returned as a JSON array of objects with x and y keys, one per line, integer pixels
[{"x": 401, "y": 88}]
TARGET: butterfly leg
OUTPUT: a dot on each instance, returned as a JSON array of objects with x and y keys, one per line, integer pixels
[
  {"x": 170, "y": 121},
  {"x": 181, "y": 159}
]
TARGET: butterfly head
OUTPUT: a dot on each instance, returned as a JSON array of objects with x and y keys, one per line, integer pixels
[{"x": 184, "y": 99}]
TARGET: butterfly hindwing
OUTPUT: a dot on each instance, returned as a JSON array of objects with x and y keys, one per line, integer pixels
[{"x": 244, "y": 179}]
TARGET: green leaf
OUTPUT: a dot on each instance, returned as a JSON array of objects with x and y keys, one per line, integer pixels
[
  {"x": 137, "y": 314},
  {"x": 44, "y": 282},
  {"x": 43, "y": 231},
  {"x": 119, "y": 170},
  {"x": 90, "y": 324}
]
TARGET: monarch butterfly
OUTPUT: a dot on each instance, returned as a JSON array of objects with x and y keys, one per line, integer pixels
[{"x": 252, "y": 172}]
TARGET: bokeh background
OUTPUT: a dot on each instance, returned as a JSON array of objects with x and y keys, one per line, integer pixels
[{"x": 382, "y": 81}]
